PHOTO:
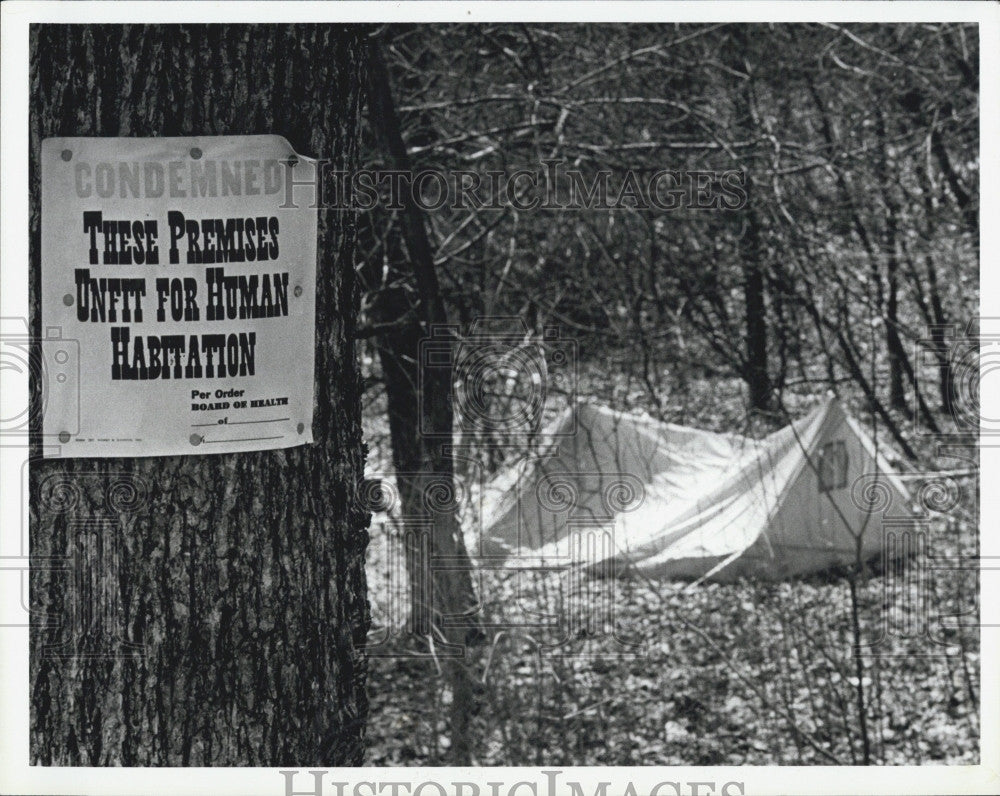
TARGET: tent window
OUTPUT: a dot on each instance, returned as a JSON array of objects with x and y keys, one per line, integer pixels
[{"x": 833, "y": 466}]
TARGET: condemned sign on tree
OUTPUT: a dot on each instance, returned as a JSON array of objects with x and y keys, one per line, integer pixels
[{"x": 178, "y": 296}]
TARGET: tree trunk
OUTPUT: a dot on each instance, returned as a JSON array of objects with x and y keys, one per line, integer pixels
[
  {"x": 898, "y": 360},
  {"x": 444, "y": 605},
  {"x": 428, "y": 389},
  {"x": 937, "y": 318},
  {"x": 749, "y": 245},
  {"x": 217, "y": 607},
  {"x": 397, "y": 341},
  {"x": 756, "y": 375}
]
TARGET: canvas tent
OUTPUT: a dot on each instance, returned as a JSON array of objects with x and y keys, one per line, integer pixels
[{"x": 621, "y": 493}]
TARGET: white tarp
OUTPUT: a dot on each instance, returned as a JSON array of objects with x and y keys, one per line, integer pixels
[{"x": 669, "y": 501}]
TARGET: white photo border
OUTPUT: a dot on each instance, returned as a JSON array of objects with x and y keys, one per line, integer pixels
[{"x": 16, "y": 776}]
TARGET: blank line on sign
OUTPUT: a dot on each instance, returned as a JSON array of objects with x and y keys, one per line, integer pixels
[
  {"x": 247, "y": 439},
  {"x": 240, "y": 422}
]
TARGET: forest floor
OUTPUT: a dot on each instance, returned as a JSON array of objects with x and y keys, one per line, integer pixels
[
  {"x": 630, "y": 672},
  {"x": 737, "y": 674}
]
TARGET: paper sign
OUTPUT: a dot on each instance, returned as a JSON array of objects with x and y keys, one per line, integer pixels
[{"x": 178, "y": 296}]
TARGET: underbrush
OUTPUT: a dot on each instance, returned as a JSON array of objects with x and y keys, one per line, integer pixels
[{"x": 632, "y": 672}]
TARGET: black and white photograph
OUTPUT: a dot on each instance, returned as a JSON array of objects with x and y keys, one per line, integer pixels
[{"x": 493, "y": 399}]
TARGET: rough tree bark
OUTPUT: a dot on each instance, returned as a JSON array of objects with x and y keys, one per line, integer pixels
[{"x": 237, "y": 581}]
